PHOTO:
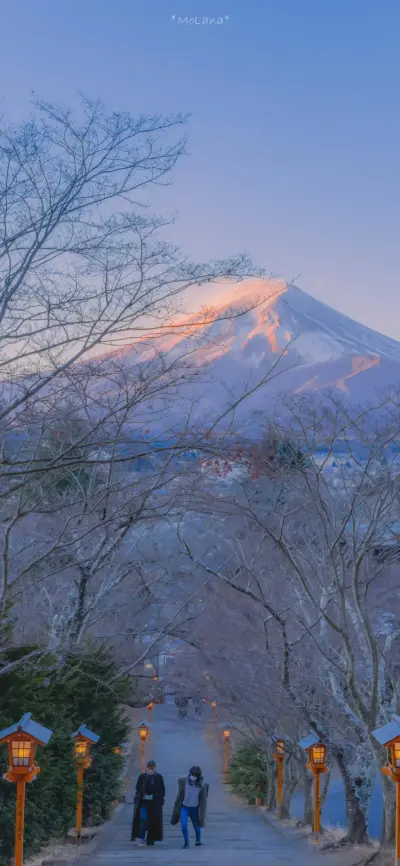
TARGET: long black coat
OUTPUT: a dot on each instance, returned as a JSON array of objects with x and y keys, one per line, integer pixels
[{"x": 154, "y": 806}]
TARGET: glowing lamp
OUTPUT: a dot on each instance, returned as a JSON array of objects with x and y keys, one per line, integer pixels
[
  {"x": 21, "y": 740},
  {"x": 143, "y": 731},
  {"x": 83, "y": 739},
  {"x": 21, "y": 754},
  {"x": 226, "y": 731},
  {"x": 389, "y": 737},
  {"x": 81, "y": 750},
  {"x": 318, "y": 755}
]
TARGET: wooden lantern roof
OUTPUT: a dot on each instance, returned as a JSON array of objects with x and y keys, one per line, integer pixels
[
  {"x": 387, "y": 734},
  {"x": 26, "y": 725},
  {"x": 309, "y": 741},
  {"x": 85, "y": 734}
]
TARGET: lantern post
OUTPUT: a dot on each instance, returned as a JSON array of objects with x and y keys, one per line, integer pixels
[
  {"x": 279, "y": 756},
  {"x": 389, "y": 737},
  {"x": 150, "y": 708},
  {"x": 227, "y": 741},
  {"x": 83, "y": 739},
  {"x": 144, "y": 731},
  {"x": 316, "y": 752},
  {"x": 22, "y": 739},
  {"x": 214, "y": 708}
]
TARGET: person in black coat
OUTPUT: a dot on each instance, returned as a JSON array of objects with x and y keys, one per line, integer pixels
[{"x": 148, "y": 806}]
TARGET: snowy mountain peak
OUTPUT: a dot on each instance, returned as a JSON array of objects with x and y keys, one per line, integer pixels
[
  {"x": 318, "y": 333},
  {"x": 252, "y": 325}
]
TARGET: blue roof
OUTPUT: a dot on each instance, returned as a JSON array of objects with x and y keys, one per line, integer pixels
[
  {"x": 308, "y": 742},
  {"x": 83, "y": 731},
  {"x": 388, "y": 732},
  {"x": 27, "y": 726}
]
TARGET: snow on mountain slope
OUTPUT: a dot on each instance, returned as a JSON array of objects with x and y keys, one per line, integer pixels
[
  {"x": 319, "y": 347},
  {"x": 319, "y": 332}
]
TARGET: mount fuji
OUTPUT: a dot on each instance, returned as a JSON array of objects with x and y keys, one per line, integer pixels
[{"x": 313, "y": 346}]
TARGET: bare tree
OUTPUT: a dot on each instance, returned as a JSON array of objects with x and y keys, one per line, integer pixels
[
  {"x": 84, "y": 272},
  {"x": 316, "y": 552}
]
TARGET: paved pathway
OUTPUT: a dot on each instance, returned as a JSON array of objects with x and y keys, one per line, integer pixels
[{"x": 234, "y": 836}]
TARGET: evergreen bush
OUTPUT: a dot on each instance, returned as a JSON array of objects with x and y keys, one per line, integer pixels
[
  {"x": 62, "y": 699},
  {"x": 248, "y": 773}
]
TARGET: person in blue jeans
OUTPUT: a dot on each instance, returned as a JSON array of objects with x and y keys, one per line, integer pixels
[
  {"x": 191, "y": 802},
  {"x": 191, "y": 812}
]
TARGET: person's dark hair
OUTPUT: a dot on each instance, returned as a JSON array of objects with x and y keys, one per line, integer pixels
[
  {"x": 151, "y": 764},
  {"x": 196, "y": 771}
]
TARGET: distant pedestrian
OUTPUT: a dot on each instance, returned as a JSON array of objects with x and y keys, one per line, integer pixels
[
  {"x": 147, "y": 824},
  {"x": 191, "y": 802},
  {"x": 197, "y": 707}
]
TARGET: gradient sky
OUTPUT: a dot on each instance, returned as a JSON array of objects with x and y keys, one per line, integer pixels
[{"x": 295, "y": 130}]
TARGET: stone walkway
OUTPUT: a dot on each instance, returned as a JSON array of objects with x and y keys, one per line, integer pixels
[{"x": 234, "y": 833}]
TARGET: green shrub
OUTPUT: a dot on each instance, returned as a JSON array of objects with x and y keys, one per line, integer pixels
[
  {"x": 248, "y": 773},
  {"x": 61, "y": 699}
]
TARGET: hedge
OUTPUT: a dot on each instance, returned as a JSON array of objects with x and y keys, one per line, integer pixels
[
  {"x": 248, "y": 773},
  {"x": 62, "y": 698}
]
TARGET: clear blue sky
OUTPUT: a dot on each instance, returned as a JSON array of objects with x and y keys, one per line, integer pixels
[{"x": 295, "y": 130}]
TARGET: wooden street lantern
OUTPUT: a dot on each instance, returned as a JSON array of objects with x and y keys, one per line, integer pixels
[
  {"x": 226, "y": 731},
  {"x": 389, "y": 737},
  {"x": 317, "y": 753},
  {"x": 83, "y": 739},
  {"x": 279, "y": 756},
  {"x": 150, "y": 708},
  {"x": 22, "y": 740},
  {"x": 144, "y": 731},
  {"x": 214, "y": 708}
]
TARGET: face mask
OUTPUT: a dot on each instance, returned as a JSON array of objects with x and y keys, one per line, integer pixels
[{"x": 193, "y": 778}]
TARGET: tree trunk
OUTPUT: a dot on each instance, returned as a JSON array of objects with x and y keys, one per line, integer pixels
[
  {"x": 271, "y": 796},
  {"x": 289, "y": 784},
  {"x": 308, "y": 797},
  {"x": 284, "y": 808},
  {"x": 325, "y": 789},
  {"x": 389, "y": 811},
  {"x": 353, "y": 789},
  {"x": 388, "y": 832}
]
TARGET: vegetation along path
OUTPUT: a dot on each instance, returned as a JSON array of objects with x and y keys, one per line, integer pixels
[{"x": 235, "y": 834}]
